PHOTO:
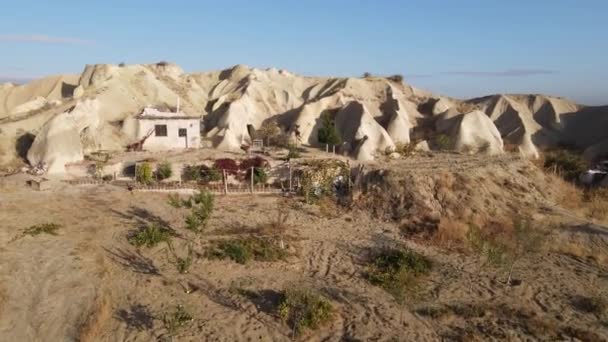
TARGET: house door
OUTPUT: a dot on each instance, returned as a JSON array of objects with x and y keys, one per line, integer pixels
[{"x": 183, "y": 133}]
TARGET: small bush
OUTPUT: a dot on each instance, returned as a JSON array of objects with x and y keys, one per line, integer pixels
[
  {"x": 211, "y": 174},
  {"x": 201, "y": 173},
  {"x": 257, "y": 162},
  {"x": 328, "y": 134},
  {"x": 121, "y": 64},
  {"x": 367, "y": 75},
  {"x": 162, "y": 63},
  {"x": 45, "y": 228},
  {"x": 405, "y": 149},
  {"x": 504, "y": 244},
  {"x": 302, "y": 308},
  {"x": 176, "y": 319},
  {"x": 230, "y": 165},
  {"x": 150, "y": 236},
  {"x": 398, "y": 271},
  {"x": 200, "y": 205},
  {"x": 294, "y": 152},
  {"x": 272, "y": 135},
  {"x": 191, "y": 173},
  {"x": 259, "y": 176},
  {"x": 182, "y": 264},
  {"x": 247, "y": 249},
  {"x": 389, "y": 263},
  {"x": 396, "y": 78},
  {"x": 442, "y": 142},
  {"x": 164, "y": 171},
  {"x": 143, "y": 173},
  {"x": 566, "y": 164}
]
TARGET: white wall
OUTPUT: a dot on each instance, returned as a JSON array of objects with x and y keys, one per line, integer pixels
[{"x": 172, "y": 140}]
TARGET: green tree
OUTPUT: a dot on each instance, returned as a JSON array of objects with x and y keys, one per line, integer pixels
[{"x": 328, "y": 134}]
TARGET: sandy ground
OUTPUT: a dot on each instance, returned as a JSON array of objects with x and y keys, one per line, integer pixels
[{"x": 88, "y": 283}]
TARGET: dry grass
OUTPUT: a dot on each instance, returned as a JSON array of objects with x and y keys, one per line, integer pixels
[
  {"x": 565, "y": 194},
  {"x": 93, "y": 326},
  {"x": 581, "y": 250},
  {"x": 328, "y": 207},
  {"x": 450, "y": 234},
  {"x": 596, "y": 203}
]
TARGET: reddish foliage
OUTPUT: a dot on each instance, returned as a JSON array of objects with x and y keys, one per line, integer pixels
[
  {"x": 230, "y": 165},
  {"x": 257, "y": 162}
]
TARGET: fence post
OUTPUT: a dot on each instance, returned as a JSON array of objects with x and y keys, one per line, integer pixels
[
  {"x": 334, "y": 149},
  {"x": 326, "y": 148},
  {"x": 252, "y": 172},
  {"x": 290, "y": 186},
  {"x": 225, "y": 182}
]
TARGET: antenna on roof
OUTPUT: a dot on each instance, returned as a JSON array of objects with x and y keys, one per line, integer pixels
[{"x": 177, "y": 111}]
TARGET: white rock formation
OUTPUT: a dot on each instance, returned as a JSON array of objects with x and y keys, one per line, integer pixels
[
  {"x": 64, "y": 138},
  {"x": 371, "y": 114}
]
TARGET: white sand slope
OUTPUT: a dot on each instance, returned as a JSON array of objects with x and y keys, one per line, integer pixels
[{"x": 372, "y": 114}]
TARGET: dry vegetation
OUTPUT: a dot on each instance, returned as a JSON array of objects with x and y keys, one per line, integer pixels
[{"x": 424, "y": 248}]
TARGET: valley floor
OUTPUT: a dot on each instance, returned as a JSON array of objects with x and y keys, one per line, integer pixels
[{"x": 89, "y": 283}]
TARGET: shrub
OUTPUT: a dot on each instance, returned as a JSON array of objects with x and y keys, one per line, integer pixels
[
  {"x": 442, "y": 142},
  {"x": 121, "y": 64},
  {"x": 201, "y": 173},
  {"x": 257, "y": 162},
  {"x": 272, "y": 134},
  {"x": 246, "y": 249},
  {"x": 191, "y": 173},
  {"x": 566, "y": 164},
  {"x": 294, "y": 152},
  {"x": 150, "y": 236},
  {"x": 367, "y": 75},
  {"x": 182, "y": 264},
  {"x": 259, "y": 176},
  {"x": 164, "y": 171},
  {"x": 200, "y": 205},
  {"x": 210, "y": 174},
  {"x": 162, "y": 63},
  {"x": 230, "y": 165},
  {"x": 45, "y": 228},
  {"x": 328, "y": 134},
  {"x": 302, "y": 308},
  {"x": 143, "y": 173},
  {"x": 396, "y": 78},
  {"x": 504, "y": 245},
  {"x": 405, "y": 149},
  {"x": 389, "y": 263},
  {"x": 176, "y": 319}
]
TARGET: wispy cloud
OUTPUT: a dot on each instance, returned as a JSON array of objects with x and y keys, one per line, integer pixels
[
  {"x": 504, "y": 73},
  {"x": 41, "y": 38}
]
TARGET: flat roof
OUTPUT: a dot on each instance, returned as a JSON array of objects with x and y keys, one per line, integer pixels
[{"x": 152, "y": 117}]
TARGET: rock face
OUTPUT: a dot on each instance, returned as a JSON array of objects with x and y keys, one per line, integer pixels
[
  {"x": 65, "y": 138},
  {"x": 472, "y": 132},
  {"x": 371, "y": 114}
]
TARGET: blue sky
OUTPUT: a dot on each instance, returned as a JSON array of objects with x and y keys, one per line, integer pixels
[{"x": 462, "y": 48}]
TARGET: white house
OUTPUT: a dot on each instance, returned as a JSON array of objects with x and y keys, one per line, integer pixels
[{"x": 167, "y": 130}]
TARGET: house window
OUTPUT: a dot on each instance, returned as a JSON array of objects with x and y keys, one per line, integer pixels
[
  {"x": 160, "y": 130},
  {"x": 182, "y": 132}
]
